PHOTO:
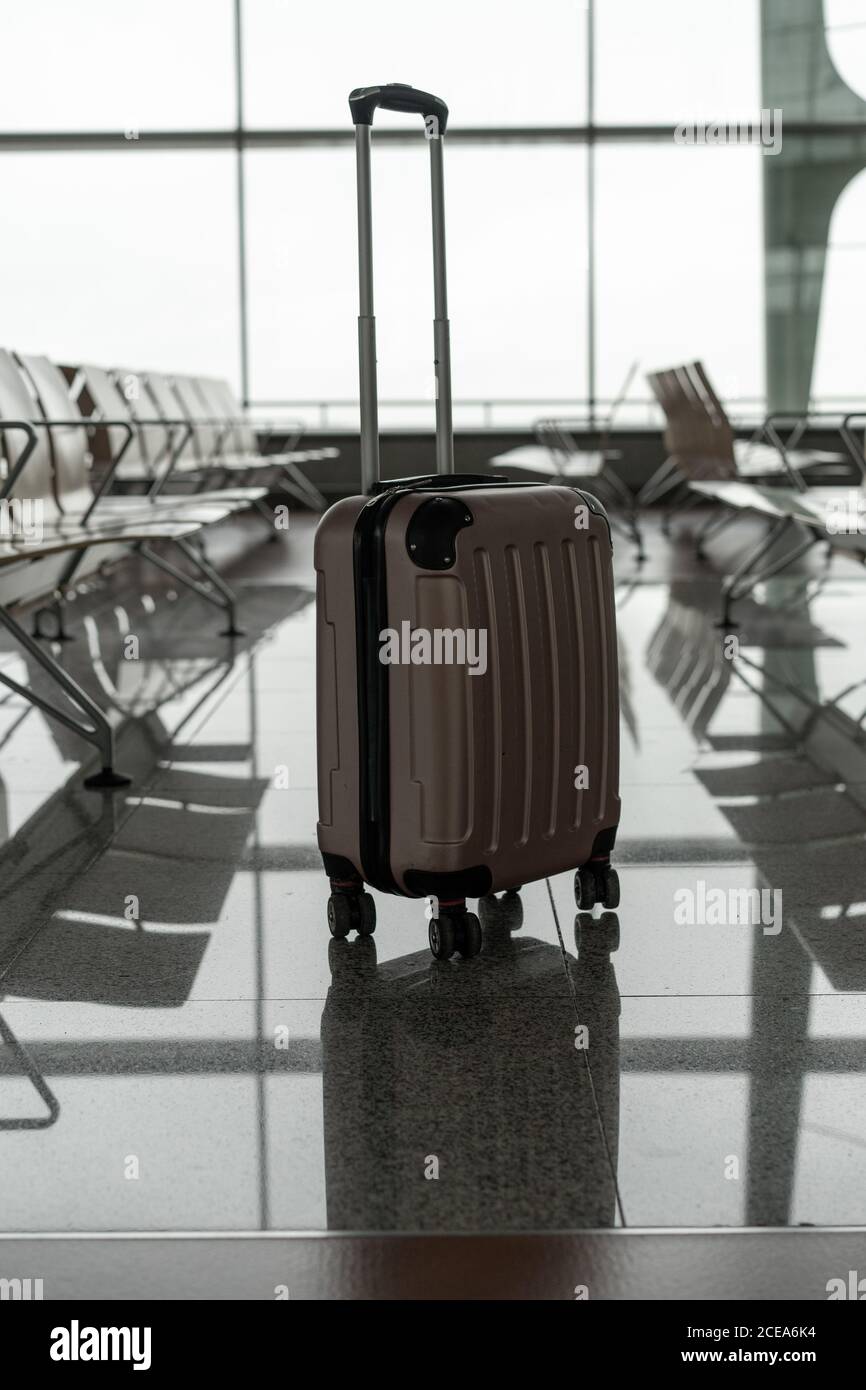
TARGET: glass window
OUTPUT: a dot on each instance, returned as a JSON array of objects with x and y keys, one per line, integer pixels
[
  {"x": 104, "y": 65},
  {"x": 95, "y": 241},
  {"x": 845, "y": 21},
  {"x": 516, "y": 273},
  {"x": 496, "y": 62},
  {"x": 127, "y": 259},
  {"x": 839, "y": 370},
  {"x": 679, "y": 260},
  {"x": 658, "y": 62}
]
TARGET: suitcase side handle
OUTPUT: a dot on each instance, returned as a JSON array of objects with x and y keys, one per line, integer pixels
[
  {"x": 437, "y": 481},
  {"x": 397, "y": 96}
]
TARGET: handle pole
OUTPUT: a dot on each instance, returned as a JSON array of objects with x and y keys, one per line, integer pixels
[
  {"x": 369, "y": 396},
  {"x": 441, "y": 328}
]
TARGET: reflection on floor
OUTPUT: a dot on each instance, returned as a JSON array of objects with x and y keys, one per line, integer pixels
[{"x": 182, "y": 1047}]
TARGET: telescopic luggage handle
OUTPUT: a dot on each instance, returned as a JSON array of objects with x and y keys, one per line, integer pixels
[
  {"x": 363, "y": 101},
  {"x": 396, "y": 96}
]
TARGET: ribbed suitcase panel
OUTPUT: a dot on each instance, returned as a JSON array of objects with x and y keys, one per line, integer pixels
[
  {"x": 493, "y": 759},
  {"x": 489, "y": 716},
  {"x": 523, "y": 757},
  {"x": 441, "y": 717},
  {"x": 550, "y": 684},
  {"x": 548, "y": 631}
]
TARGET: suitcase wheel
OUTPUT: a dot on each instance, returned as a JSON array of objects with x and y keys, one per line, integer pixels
[
  {"x": 351, "y": 912},
  {"x": 442, "y": 937},
  {"x": 455, "y": 931},
  {"x": 469, "y": 938},
  {"x": 611, "y": 888},
  {"x": 596, "y": 883}
]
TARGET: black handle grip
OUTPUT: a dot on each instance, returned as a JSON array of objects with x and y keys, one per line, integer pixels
[{"x": 397, "y": 96}]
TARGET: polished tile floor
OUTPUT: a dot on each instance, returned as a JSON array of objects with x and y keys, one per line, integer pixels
[{"x": 182, "y": 1047}]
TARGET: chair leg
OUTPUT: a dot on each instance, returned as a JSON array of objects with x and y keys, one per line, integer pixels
[
  {"x": 620, "y": 496},
  {"x": 225, "y": 591},
  {"x": 658, "y": 483},
  {"x": 267, "y": 517},
  {"x": 746, "y": 579},
  {"x": 301, "y": 481},
  {"x": 59, "y": 633},
  {"x": 675, "y": 508},
  {"x": 637, "y": 537},
  {"x": 215, "y": 591},
  {"x": 752, "y": 558},
  {"x": 97, "y": 731},
  {"x": 713, "y": 526}
]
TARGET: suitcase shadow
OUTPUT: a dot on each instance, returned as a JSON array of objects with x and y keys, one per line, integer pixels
[{"x": 473, "y": 1095}]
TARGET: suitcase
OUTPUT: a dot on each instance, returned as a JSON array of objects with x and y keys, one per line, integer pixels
[{"x": 467, "y": 693}]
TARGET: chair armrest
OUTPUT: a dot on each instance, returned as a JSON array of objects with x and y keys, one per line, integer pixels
[
  {"x": 782, "y": 417},
  {"x": 113, "y": 466},
  {"x": 855, "y": 448},
  {"x": 26, "y": 427},
  {"x": 292, "y": 429},
  {"x": 771, "y": 432}
]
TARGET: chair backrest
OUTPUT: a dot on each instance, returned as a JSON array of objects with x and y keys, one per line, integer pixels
[
  {"x": 244, "y": 435},
  {"x": 165, "y": 405},
  {"x": 698, "y": 434},
  {"x": 207, "y": 436},
  {"x": 239, "y": 437},
  {"x": 69, "y": 444},
  {"x": 17, "y": 402},
  {"x": 157, "y": 438},
  {"x": 99, "y": 397}
]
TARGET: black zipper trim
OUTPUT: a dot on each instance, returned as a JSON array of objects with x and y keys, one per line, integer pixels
[{"x": 374, "y": 764}]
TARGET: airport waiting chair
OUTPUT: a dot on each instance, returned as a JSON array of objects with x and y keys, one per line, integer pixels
[
  {"x": 812, "y": 516},
  {"x": 184, "y": 459},
  {"x": 35, "y": 558},
  {"x": 708, "y": 464},
  {"x": 556, "y": 454},
  {"x": 131, "y": 459},
  {"x": 210, "y": 438},
  {"x": 701, "y": 446},
  {"x": 79, "y": 505},
  {"x": 195, "y": 459},
  {"x": 239, "y": 444},
  {"x": 557, "y": 457},
  {"x": 69, "y": 434},
  {"x": 239, "y": 448},
  {"x": 701, "y": 440},
  {"x": 147, "y": 456}
]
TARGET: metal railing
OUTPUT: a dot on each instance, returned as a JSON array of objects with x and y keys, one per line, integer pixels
[{"x": 340, "y": 413}]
